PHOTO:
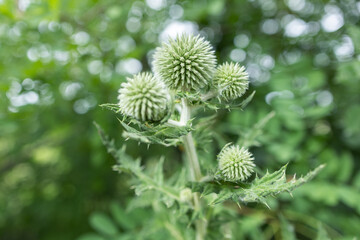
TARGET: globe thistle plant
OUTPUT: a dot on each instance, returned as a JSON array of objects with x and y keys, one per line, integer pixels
[
  {"x": 143, "y": 97},
  {"x": 231, "y": 80},
  {"x": 235, "y": 163},
  {"x": 186, "y": 63}
]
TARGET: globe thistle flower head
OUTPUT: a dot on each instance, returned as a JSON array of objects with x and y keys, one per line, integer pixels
[
  {"x": 235, "y": 163},
  {"x": 231, "y": 80},
  {"x": 143, "y": 97},
  {"x": 186, "y": 63}
]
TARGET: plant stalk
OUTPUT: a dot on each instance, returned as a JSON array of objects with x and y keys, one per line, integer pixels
[
  {"x": 192, "y": 157},
  {"x": 194, "y": 169}
]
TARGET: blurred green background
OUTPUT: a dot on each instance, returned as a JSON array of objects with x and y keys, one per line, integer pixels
[{"x": 60, "y": 59}]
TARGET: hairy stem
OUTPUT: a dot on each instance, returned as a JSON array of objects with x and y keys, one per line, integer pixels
[
  {"x": 190, "y": 151},
  {"x": 189, "y": 145},
  {"x": 194, "y": 168}
]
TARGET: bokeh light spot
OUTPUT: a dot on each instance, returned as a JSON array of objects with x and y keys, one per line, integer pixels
[{"x": 128, "y": 66}]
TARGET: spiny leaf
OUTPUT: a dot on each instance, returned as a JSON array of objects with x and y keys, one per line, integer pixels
[
  {"x": 273, "y": 184},
  {"x": 215, "y": 103},
  {"x": 229, "y": 105},
  {"x": 222, "y": 196},
  {"x": 151, "y": 132},
  {"x": 247, "y": 100},
  {"x": 154, "y": 134},
  {"x": 270, "y": 184},
  {"x": 111, "y": 106},
  {"x": 125, "y": 163}
]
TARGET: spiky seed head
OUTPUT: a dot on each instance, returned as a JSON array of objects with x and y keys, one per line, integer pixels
[
  {"x": 186, "y": 63},
  {"x": 231, "y": 80},
  {"x": 144, "y": 97},
  {"x": 235, "y": 163}
]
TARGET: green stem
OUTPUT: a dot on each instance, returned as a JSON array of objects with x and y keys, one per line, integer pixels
[
  {"x": 189, "y": 145},
  {"x": 192, "y": 157},
  {"x": 194, "y": 169}
]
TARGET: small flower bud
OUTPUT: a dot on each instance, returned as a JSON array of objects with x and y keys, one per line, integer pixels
[
  {"x": 185, "y": 195},
  {"x": 231, "y": 80},
  {"x": 235, "y": 163},
  {"x": 186, "y": 63},
  {"x": 144, "y": 97}
]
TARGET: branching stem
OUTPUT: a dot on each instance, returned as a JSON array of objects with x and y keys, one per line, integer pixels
[{"x": 194, "y": 168}]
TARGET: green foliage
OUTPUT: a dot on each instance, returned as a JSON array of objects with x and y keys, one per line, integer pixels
[
  {"x": 236, "y": 104},
  {"x": 248, "y": 138},
  {"x": 256, "y": 191},
  {"x": 322, "y": 235},
  {"x": 235, "y": 163},
  {"x": 54, "y": 167},
  {"x": 151, "y": 133},
  {"x": 155, "y": 181}
]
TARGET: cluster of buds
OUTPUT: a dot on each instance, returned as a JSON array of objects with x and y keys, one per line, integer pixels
[{"x": 188, "y": 64}]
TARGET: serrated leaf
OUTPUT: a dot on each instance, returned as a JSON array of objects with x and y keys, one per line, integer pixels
[
  {"x": 154, "y": 134},
  {"x": 222, "y": 196},
  {"x": 247, "y": 100},
  {"x": 273, "y": 184},
  {"x": 151, "y": 132},
  {"x": 258, "y": 190},
  {"x": 127, "y": 164},
  {"x": 207, "y": 190},
  {"x": 111, "y": 106},
  {"x": 229, "y": 105}
]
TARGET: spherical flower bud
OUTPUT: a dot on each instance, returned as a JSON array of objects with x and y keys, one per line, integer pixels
[
  {"x": 186, "y": 63},
  {"x": 231, "y": 80},
  {"x": 185, "y": 195},
  {"x": 235, "y": 163},
  {"x": 143, "y": 97}
]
